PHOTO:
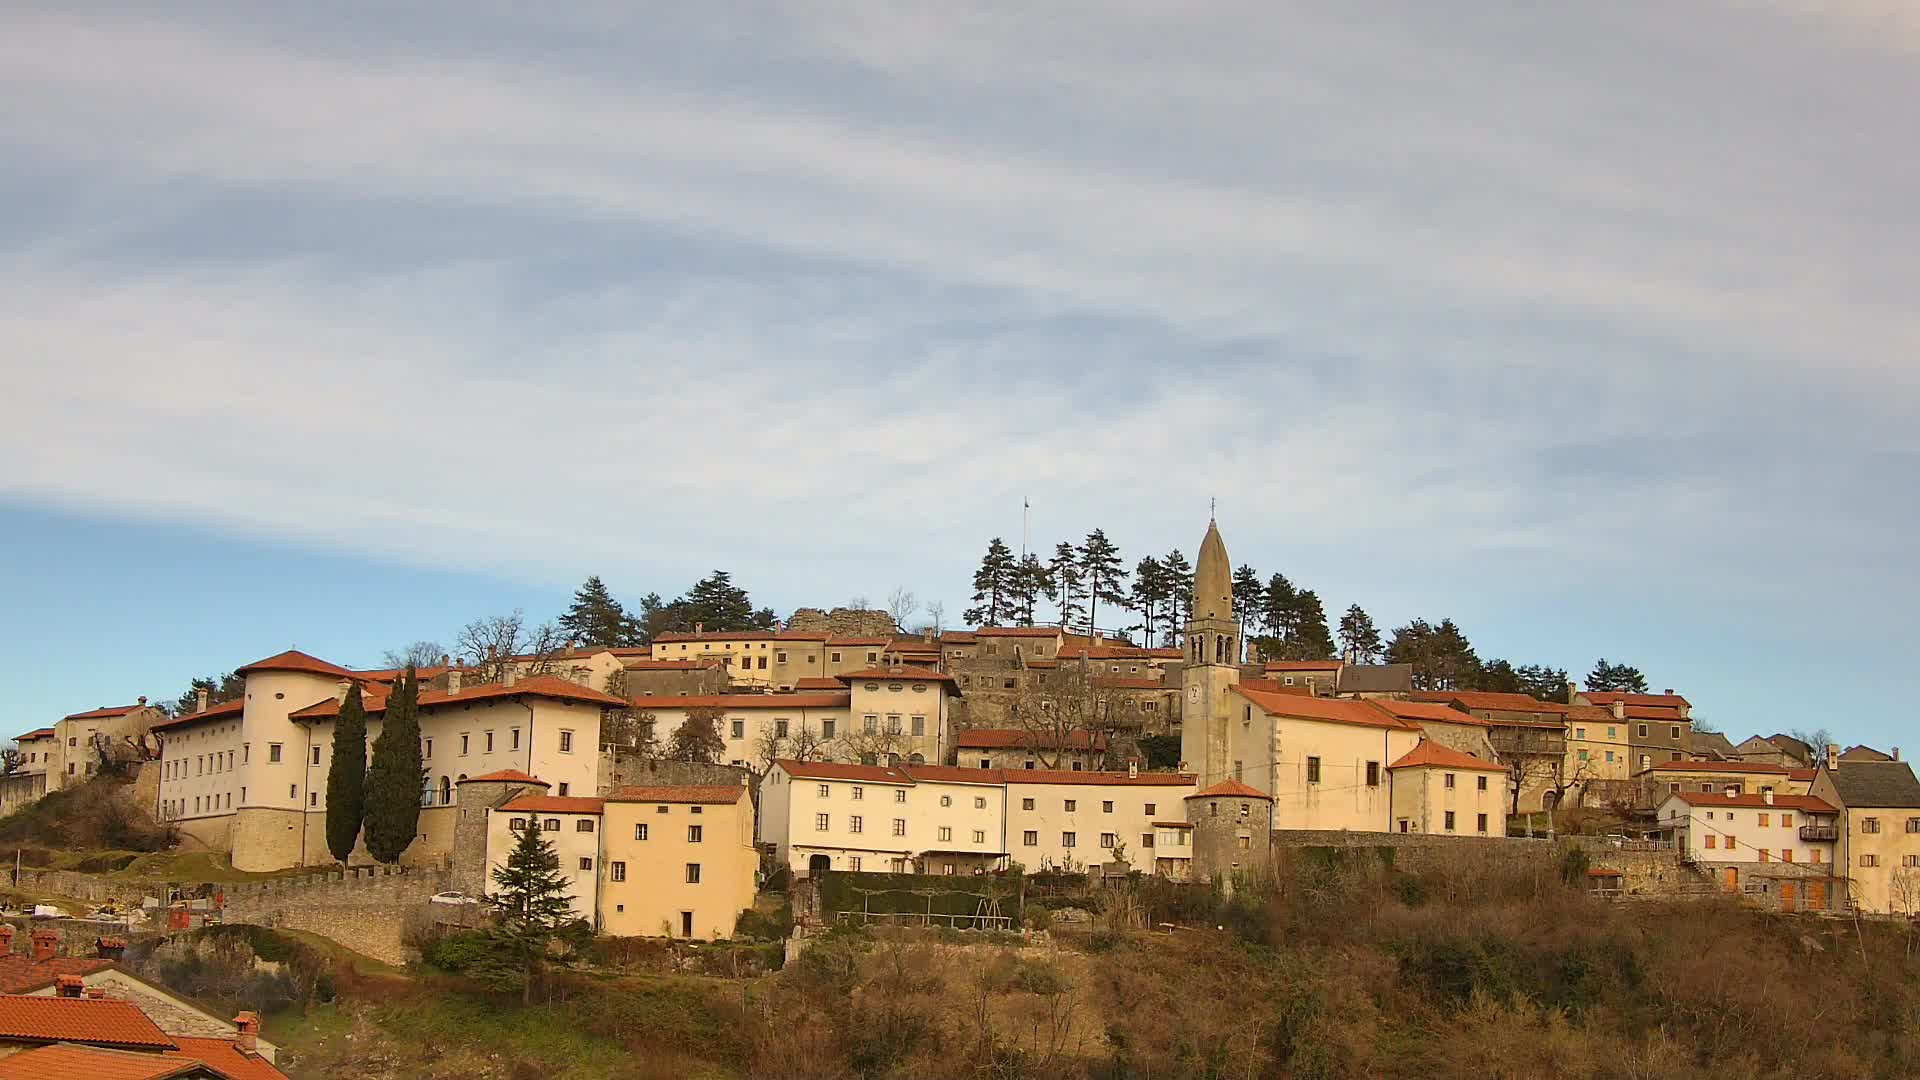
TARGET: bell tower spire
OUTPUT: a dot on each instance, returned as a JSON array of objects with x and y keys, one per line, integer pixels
[{"x": 1212, "y": 664}]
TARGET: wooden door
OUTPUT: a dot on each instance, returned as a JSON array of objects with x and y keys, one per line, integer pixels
[
  {"x": 1816, "y": 896},
  {"x": 1730, "y": 878},
  {"x": 1789, "y": 896}
]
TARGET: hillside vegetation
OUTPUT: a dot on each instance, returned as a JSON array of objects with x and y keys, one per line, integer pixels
[{"x": 1345, "y": 968}]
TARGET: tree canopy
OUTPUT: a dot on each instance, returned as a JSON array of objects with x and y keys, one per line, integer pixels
[
  {"x": 1616, "y": 677},
  {"x": 1359, "y": 638},
  {"x": 698, "y": 737},
  {"x": 597, "y": 619},
  {"x": 347, "y": 776},
  {"x": 397, "y": 775},
  {"x": 994, "y": 587}
]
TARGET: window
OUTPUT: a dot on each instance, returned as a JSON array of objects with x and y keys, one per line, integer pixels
[
  {"x": 899, "y": 826},
  {"x": 979, "y": 802},
  {"x": 273, "y": 751},
  {"x": 1869, "y": 860},
  {"x": 1481, "y": 824},
  {"x": 1146, "y": 840},
  {"x": 566, "y": 742},
  {"x": 739, "y": 729},
  {"x": 1109, "y": 840},
  {"x": 1869, "y": 825},
  {"x": 836, "y": 658},
  {"x": 1026, "y": 804},
  {"x": 1583, "y": 755},
  {"x": 1910, "y": 860},
  {"x": 563, "y": 789},
  {"x": 946, "y": 834},
  {"x": 1150, "y": 809},
  {"x": 293, "y": 791},
  {"x": 1313, "y": 770},
  {"x": 853, "y": 861},
  {"x": 919, "y": 725},
  {"x": 586, "y": 862},
  {"x": 1913, "y": 824},
  {"x": 583, "y": 825},
  {"x": 516, "y": 738},
  {"x": 1674, "y": 734},
  {"x": 1373, "y": 774},
  {"x": 1763, "y": 855},
  {"x": 428, "y": 752},
  {"x": 1068, "y": 839},
  {"x": 1030, "y": 838},
  {"x": 1449, "y": 821},
  {"x": 824, "y": 791},
  {"x": 856, "y": 824},
  {"x": 313, "y": 798},
  {"x": 1106, "y": 806},
  {"x": 870, "y": 724},
  {"x": 489, "y": 737},
  {"x": 1815, "y": 856},
  {"x": 1482, "y": 785},
  {"x": 464, "y": 739},
  {"x": 693, "y": 878},
  {"x": 899, "y": 795},
  {"x": 1643, "y": 731},
  {"x": 820, "y": 822},
  {"x": 1609, "y": 757},
  {"x": 946, "y": 800},
  {"x": 979, "y": 836},
  {"x": 826, "y": 729},
  {"x": 893, "y": 724},
  {"x": 1786, "y": 854},
  {"x": 316, "y": 756},
  {"x": 694, "y": 833},
  {"x": 1580, "y": 733},
  {"x": 616, "y": 871},
  {"x": 553, "y": 824},
  {"x": 858, "y": 794},
  {"x": 1763, "y": 820},
  {"x": 780, "y": 729},
  {"x": 640, "y": 831},
  {"x": 1449, "y": 781},
  {"x": 1072, "y": 805},
  {"x": 780, "y": 657}
]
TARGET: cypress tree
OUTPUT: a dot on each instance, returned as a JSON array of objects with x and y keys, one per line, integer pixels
[
  {"x": 347, "y": 776},
  {"x": 397, "y": 776}
]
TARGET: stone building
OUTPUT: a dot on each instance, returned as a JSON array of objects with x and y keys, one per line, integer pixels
[
  {"x": 1232, "y": 832},
  {"x": 1877, "y": 840}
]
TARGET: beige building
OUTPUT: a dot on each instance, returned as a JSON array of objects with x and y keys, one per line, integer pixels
[
  {"x": 1777, "y": 849},
  {"x": 571, "y": 825},
  {"x": 1066, "y": 819},
  {"x": 1597, "y": 745},
  {"x": 1436, "y": 789},
  {"x": 773, "y": 659},
  {"x": 28, "y": 781},
  {"x": 1324, "y": 760},
  {"x": 1741, "y": 777},
  {"x": 1016, "y": 748},
  {"x": 679, "y": 861},
  {"x": 749, "y": 721},
  {"x": 66, "y": 753},
  {"x": 1878, "y": 837},
  {"x": 1320, "y": 676}
]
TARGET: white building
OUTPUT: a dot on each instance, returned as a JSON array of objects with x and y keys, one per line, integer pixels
[
  {"x": 572, "y": 825},
  {"x": 1718, "y": 827}
]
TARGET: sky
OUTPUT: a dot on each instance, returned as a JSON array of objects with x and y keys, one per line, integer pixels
[{"x": 1591, "y": 327}]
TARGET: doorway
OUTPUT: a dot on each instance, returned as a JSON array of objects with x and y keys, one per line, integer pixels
[
  {"x": 819, "y": 864},
  {"x": 686, "y": 924}
]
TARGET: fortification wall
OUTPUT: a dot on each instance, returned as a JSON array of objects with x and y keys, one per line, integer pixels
[{"x": 364, "y": 908}]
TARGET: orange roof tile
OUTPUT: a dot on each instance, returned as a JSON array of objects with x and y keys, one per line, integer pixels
[
  {"x": 818, "y": 682},
  {"x": 834, "y": 770},
  {"x": 512, "y": 776},
  {"x": 1756, "y": 800},
  {"x": 740, "y": 635},
  {"x": 1335, "y": 710},
  {"x": 1652, "y": 712},
  {"x": 37, "y": 733},
  {"x": 96, "y": 1021},
  {"x": 67, "y": 1061},
  {"x": 957, "y": 637},
  {"x": 952, "y": 774},
  {"x": 1608, "y": 697},
  {"x": 541, "y": 686},
  {"x": 903, "y": 673},
  {"x": 1017, "y": 631},
  {"x": 1802, "y": 774},
  {"x": 1233, "y": 789},
  {"x": 673, "y": 665},
  {"x": 224, "y": 1056},
  {"x": 1431, "y": 712},
  {"x": 555, "y": 804},
  {"x": 1275, "y": 686},
  {"x": 1722, "y": 767},
  {"x": 20, "y": 973},
  {"x": 1302, "y": 665},
  {"x": 745, "y": 701},
  {"x": 295, "y": 660},
  {"x": 1008, "y": 738},
  {"x": 710, "y": 794},
  {"x": 864, "y": 642},
  {"x": 104, "y": 712},
  {"x": 1492, "y": 701},
  {"x": 222, "y": 711},
  {"x": 1069, "y": 776},
  {"x": 1431, "y": 755},
  {"x": 1118, "y": 652}
]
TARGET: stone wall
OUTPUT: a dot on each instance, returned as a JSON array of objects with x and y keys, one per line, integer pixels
[
  {"x": 623, "y": 770},
  {"x": 1416, "y": 851},
  {"x": 842, "y": 622},
  {"x": 364, "y": 909}
]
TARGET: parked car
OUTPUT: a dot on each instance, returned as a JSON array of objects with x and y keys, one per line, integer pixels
[
  {"x": 47, "y": 909},
  {"x": 452, "y": 898}
]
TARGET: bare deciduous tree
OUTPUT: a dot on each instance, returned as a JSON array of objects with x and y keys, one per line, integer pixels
[
  {"x": 419, "y": 654},
  {"x": 1051, "y": 707},
  {"x": 880, "y": 746},
  {"x": 490, "y": 645},
  {"x": 901, "y": 604}
]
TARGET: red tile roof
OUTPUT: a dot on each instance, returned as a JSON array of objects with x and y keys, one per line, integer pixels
[
  {"x": 1756, "y": 800},
  {"x": 20, "y": 973},
  {"x": 1275, "y": 686},
  {"x": 1608, "y": 697},
  {"x": 710, "y": 794},
  {"x": 96, "y": 1021},
  {"x": 37, "y": 733},
  {"x": 907, "y": 774},
  {"x": 740, "y": 635},
  {"x": 1231, "y": 789},
  {"x": 1492, "y": 701},
  {"x": 1802, "y": 774},
  {"x": 1069, "y": 776},
  {"x": 104, "y": 712},
  {"x": 1118, "y": 652},
  {"x": 66, "y": 1061},
  {"x": 224, "y": 1056},
  {"x": 1722, "y": 766},
  {"x": 513, "y": 776},
  {"x": 555, "y": 804},
  {"x": 1335, "y": 710},
  {"x": 1428, "y": 711},
  {"x": 903, "y": 673},
  {"x": 834, "y": 770},
  {"x": 745, "y": 701},
  {"x": 222, "y": 711},
  {"x": 871, "y": 642},
  {"x": 1007, "y": 738},
  {"x": 674, "y": 665},
  {"x": 1431, "y": 755},
  {"x": 295, "y": 660},
  {"x": 952, "y": 774},
  {"x": 957, "y": 637},
  {"x": 542, "y": 686},
  {"x": 1652, "y": 712},
  {"x": 1302, "y": 665}
]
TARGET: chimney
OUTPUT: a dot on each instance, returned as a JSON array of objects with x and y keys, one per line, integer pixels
[
  {"x": 1573, "y": 691},
  {"x": 1619, "y": 710},
  {"x": 699, "y": 628},
  {"x": 111, "y": 948},
  {"x": 341, "y": 690},
  {"x": 510, "y": 676},
  {"x": 1833, "y": 756},
  {"x": 203, "y": 699},
  {"x": 1133, "y": 768},
  {"x": 46, "y": 946},
  {"x": 445, "y": 660},
  {"x": 247, "y": 1039},
  {"x": 1668, "y": 691},
  {"x": 453, "y": 681},
  {"x": 6, "y": 939},
  {"x": 143, "y": 701},
  {"x": 1896, "y": 753},
  {"x": 1766, "y": 796},
  {"x": 69, "y": 986}
]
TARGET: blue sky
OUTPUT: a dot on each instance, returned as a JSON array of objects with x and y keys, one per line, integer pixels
[{"x": 1589, "y": 327}]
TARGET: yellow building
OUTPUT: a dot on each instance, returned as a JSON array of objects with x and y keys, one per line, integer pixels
[
  {"x": 571, "y": 825},
  {"x": 1877, "y": 842},
  {"x": 677, "y": 861},
  {"x": 1436, "y": 789},
  {"x": 1324, "y": 760}
]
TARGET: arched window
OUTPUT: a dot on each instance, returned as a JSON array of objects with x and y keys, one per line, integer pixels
[
  {"x": 446, "y": 791},
  {"x": 917, "y": 759}
]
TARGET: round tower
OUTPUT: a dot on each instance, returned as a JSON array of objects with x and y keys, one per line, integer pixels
[{"x": 1232, "y": 832}]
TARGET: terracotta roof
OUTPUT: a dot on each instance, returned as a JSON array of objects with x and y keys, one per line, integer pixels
[
  {"x": 511, "y": 776},
  {"x": 957, "y": 637},
  {"x": 953, "y": 774},
  {"x": 67, "y": 1061},
  {"x": 1007, "y": 738},
  {"x": 1119, "y": 652},
  {"x": 1115, "y": 682},
  {"x": 643, "y": 664},
  {"x": 224, "y": 1056},
  {"x": 1722, "y": 767},
  {"x": 903, "y": 673},
  {"x": 20, "y": 973},
  {"x": 745, "y": 701},
  {"x": 1431, "y": 755},
  {"x": 818, "y": 682},
  {"x": 37, "y": 733},
  {"x": 1755, "y": 800},
  {"x": 834, "y": 770},
  {"x": 864, "y": 642},
  {"x": 1802, "y": 774},
  {"x": 1302, "y": 665},
  {"x": 96, "y": 1021},
  {"x": 1608, "y": 697},
  {"x": 711, "y": 794},
  {"x": 224, "y": 710},
  {"x": 1431, "y": 712},
  {"x": 1275, "y": 686},
  {"x": 740, "y": 635},
  {"x": 543, "y": 686},
  {"x": 1018, "y": 631},
  {"x": 1231, "y": 789},
  {"x": 295, "y": 660},
  {"x": 1492, "y": 701},
  {"x": 916, "y": 646},
  {"x": 104, "y": 712},
  {"x": 1103, "y": 779},
  {"x": 555, "y": 804},
  {"x": 1335, "y": 710},
  {"x": 1651, "y": 712}
]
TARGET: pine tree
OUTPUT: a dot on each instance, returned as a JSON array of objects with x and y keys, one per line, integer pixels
[
  {"x": 1105, "y": 576},
  {"x": 1311, "y": 640},
  {"x": 1031, "y": 582},
  {"x": 219, "y": 688},
  {"x": 596, "y": 618},
  {"x": 1441, "y": 656},
  {"x": 530, "y": 894},
  {"x": 993, "y": 587},
  {"x": 1180, "y": 585},
  {"x": 1065, "y": 574},
  {"x": 397, "y": 776},
  {"x": 347, "y": 776},
  {"x": 1150, "y": 594},
  {"x": 1616, "y": 677},
  {"x": 1247, "y": 595},
  {"x": 1359, "y": 638},
  {"x": 716, "y": 603},
  {"x": 1544, "y": 682},
  {"x": 1278, "y": 610}
]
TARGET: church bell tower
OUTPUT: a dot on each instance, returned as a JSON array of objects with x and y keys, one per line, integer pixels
[{"x": 1212, "y": 665}]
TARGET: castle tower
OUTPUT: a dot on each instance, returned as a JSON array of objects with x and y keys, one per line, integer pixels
[{"x": 1212, "y": 664}]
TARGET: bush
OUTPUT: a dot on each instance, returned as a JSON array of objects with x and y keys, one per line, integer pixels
[
  {"x": 462, "y": 950},
  {"x": 756, "y": 925},
  {"x": 100, "y": 813}
]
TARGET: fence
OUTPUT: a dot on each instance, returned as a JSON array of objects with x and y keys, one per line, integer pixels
[{"x": 924, "y": 918}]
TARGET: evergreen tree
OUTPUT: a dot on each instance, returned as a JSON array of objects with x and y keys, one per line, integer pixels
[
  {"x": 1065, "y": 574},
  {"x": 1278, "y": 611},
  {"x": 596, "y": 618},
  {"x": 397, "y": 776},
  {"x": 1031, "y": 581},
  {"x": 1616, "y": 677},
  {"x": 1441, "y": 656},
  {"x": 219, "y": 688},
  {"x": 1151, "y": 592},
  {"x": 993, "y": 587},
  {"x": 716, "y": 603},
  {"x": 1311, "y": 639},
  {"x": 1359, "y": 638},
  {"x": 531, "y": 896},
  {"x": 347, "y": 776},
  {"x": 1180, "y": 586},
  {"x": 1247, "y": 595},
  {"x": 1105, "y": 576},
  {"x": 1499, "y": 677},
  {"x": 1544, "y": 682},
  {"x": 698, "y": 738}
]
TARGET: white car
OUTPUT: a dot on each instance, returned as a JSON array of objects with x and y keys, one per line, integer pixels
[
  {"x": 47, "y": 909},
  {"x": 452, "y": 898}
]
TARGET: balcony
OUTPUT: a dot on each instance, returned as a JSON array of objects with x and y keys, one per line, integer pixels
[
  {"x": 1819, "y": 832},
  {"x": 1528, "y": 741}
]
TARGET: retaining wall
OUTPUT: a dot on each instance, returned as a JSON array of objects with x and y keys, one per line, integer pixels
[{"x": 363, "y": 908}]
